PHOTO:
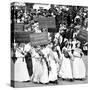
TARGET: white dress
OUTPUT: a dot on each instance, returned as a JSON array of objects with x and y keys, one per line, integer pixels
[
  {"x": 58, "y": 61},
  {"x": 66, "y": 70},
  {"x": 44, "y": 78},
  {"x": 37, "y": 67},
  {"x": 20, "y": 69},
  {"x": 79, "y": 70},
  {"x": 53, "y": 72}
]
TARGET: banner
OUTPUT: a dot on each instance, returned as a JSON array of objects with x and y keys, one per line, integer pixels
[
  {"x": 19, "y": 27},
  {"x": 82, "y": 35},
  {"x": 22, "y": 36},
  {"x": 39, "y": 38},
  {"x": 48, "y": 22}
]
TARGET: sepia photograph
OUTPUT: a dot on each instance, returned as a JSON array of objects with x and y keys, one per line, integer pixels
[{"x": 49, "y": 44}]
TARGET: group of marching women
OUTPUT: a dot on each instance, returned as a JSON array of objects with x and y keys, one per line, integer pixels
[{"x": 47, "y": 63}]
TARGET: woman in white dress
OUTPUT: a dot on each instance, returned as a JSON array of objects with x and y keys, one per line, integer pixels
[
  {"x": 57, "y": 56},
  {"x": 53, "y": 65},
  {"x": 66, "y": 69},
  {"x": 45, "y": 75},
  {"x": 79, "y": 70},
  {"x": 37, "y": 66},
  {"x": 20, "y": 69}
]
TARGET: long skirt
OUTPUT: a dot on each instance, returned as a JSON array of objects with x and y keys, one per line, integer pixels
[
  {"x": 79, "y": 70},
  {"x": 66, "y": 69},
  {"x": 37, "y": 70},
  {"x": 44, "y": 77},
  {"x": 53, "y": 72},
  {"x": 20, "y": 70}
]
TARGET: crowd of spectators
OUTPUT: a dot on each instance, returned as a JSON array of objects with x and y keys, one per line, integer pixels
[
  {"x": 67, "y": 15},
  {"x": 69, "y": 19}
]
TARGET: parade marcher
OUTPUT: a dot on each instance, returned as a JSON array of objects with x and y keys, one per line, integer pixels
[
  {"x": 53, "y": 67},
  {"x": 37, "y": 66},
  {"x": 57, "y": 52},
  {"x": 66, "y": 69},
  {"x": 79, "y": 70},
  {"x": 21, "y": 72},
  {"x": 57, "y": 57},
  {"x": 44, "y": 79}
]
